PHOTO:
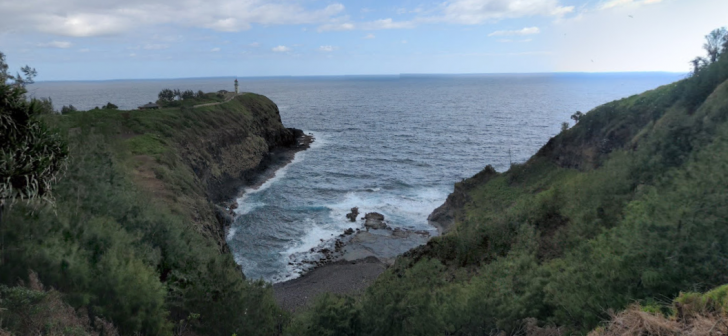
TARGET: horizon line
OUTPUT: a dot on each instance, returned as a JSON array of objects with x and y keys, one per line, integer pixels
[{"x": 374, "y": 75}]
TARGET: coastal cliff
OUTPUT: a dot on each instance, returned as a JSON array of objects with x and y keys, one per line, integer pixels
[
  {"x": 214, "y": 151},
  {"x": 136, "y": 236},
  {"x": 626, "y": 207}
]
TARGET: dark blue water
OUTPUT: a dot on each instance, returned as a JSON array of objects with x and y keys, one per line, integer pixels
[{"x": 393, "y": 145}]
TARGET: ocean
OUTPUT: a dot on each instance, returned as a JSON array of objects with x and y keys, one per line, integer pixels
[{"x": 388, "y": 144}]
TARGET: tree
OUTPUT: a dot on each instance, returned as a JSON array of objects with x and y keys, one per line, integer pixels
[
  {"x": 110, "y": 106},
  {"x": 31, "y": 155},
  {"x": 698, "y": 64},
  {"x": 577, "y": 116},
  {"x": 199, "y": 94},
  {"x": 45, "y": 105},
  {"x": 188, "y": 94},
  {"x": 166, "y": 95},
  {"x": 564, "y": 126},
  {"x": 18, "y": 80},
  {"x": 68, "y": 109},
  {"x": 715, "y": 43}
]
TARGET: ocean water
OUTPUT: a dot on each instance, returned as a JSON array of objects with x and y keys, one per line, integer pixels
[{"x": 390, "y": 144}]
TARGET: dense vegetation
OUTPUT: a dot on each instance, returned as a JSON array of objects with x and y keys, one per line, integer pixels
[
  {"x": 629, "y": 205},
  {"x": 189, "y": 98},
  {"x": 122, "y": 247},
  {"x": 690, "y": 314}
]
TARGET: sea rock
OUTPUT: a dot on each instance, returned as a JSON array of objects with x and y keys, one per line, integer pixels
[
  {"x": 353, "y": 214},
  {"x": 374, "y": 220},
  {"x": 349, "y": 231}
]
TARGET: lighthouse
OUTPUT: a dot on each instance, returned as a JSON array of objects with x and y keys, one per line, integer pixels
[{"x": 236, "y": 86}]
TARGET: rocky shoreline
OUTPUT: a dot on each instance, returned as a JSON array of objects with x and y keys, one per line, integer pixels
[
  {"x": 341, "y": 264},
  {"x": 349, "y": 263},
  {"x": 276, "y": 159}
]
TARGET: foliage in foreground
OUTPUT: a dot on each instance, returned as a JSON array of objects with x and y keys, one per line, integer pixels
[
  {"x": 110, "y": 249},
  {"x": 114, "y": 251},
  {"x": 691, "y": 314},
  {"x": 32, "y": 310},
  {"x": 31, "y": 155},
  {"x": 627, "y": 206}
]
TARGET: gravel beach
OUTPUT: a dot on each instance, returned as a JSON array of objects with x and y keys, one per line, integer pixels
[{"x": 341, "y": 277}]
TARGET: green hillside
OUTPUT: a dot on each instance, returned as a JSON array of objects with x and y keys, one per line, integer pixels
[
  {"x": 134, "y": 237},
  {"x": 629, "y": 205},
  {"x": 625, "y": 210}
]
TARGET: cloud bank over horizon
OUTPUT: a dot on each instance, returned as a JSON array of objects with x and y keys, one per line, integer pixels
[{"x": 105, "y": 39}]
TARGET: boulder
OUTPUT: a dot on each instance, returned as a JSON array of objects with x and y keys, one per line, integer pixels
[
  {"x": 349, "y": 231},
  {"x": 353, "y": 214},
  {"x": 374, "y": 220}
]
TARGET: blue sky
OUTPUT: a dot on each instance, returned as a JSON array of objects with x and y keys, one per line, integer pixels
[{"x": 109, "y": 39}]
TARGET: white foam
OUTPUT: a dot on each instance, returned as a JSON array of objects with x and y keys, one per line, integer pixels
[
  {"x": 305, "y": 253},
  {"x": 320, "y": 139},
  {"x": 413, "y": 207},
  {"x": 312, "y": 239},
  {"x": 245, "y": 207}
]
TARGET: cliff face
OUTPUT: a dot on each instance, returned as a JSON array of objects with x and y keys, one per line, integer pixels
[
  {"x": 227, "y": 157},
  {"x": 135, "y": 235},
  {"x": 444, "y": 216},
  {"x": 208, "y": 154}
]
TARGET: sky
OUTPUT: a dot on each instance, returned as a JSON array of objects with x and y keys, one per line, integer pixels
[{"x": 145, "y": 39}]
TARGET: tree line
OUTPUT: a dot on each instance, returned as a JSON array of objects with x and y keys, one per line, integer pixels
[{"x": 169, "y": 95}]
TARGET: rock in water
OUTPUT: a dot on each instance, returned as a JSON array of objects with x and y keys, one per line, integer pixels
[
  {"x": 353, "y": 214},
  {"x": 374, "y": 220}
]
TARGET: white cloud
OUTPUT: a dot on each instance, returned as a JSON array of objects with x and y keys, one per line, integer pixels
[
  {"x": 336, "y": 27},
  {"x": 618, "y": 3},
  {"x": 387, "y": 24},
  {"x": 327, "y": 48},
  {"x": 369, "y": 36},
  {"x": 510, "y": 41},
  {"x": 404, "y": 41},
  {"x": 467, "y": 12},
  {"x": 155, "y": 46},
  {"x": 281, "y": 48},
  {"x": 109, "y": 17},
  {"x": 480, "y": 11},
  {"x": 524, "y": 31},
  {"x": 84, "y": 50},
  {"x": 215, "y": 49},
  {"x": 371, "y": 25},
  {"x": 56, "y": 44},
  {"x": 132, "y": 55},
  {"x": 254, "y": 45}
]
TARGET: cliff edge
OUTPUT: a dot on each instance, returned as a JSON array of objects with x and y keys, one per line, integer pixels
[{"x": 193, "y": 159}]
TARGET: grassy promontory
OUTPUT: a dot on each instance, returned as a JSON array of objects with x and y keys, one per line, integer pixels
[
  {"x": 628, "y": 206},
  {"x": 135, "y": 236}
]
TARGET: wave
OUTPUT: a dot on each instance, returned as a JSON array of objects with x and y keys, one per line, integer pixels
[{"x": 245, "y": 206}]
